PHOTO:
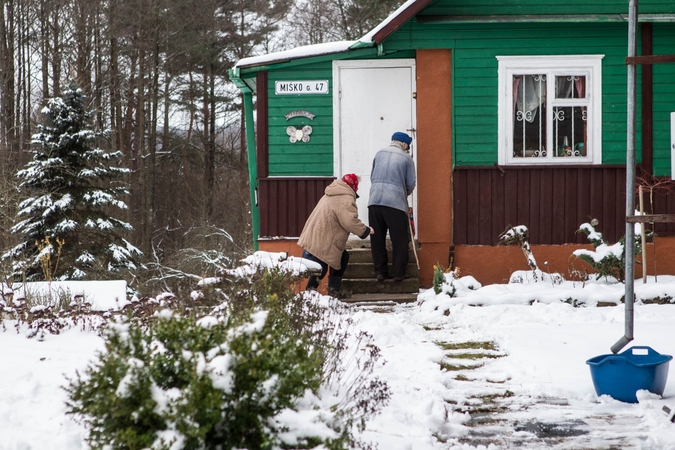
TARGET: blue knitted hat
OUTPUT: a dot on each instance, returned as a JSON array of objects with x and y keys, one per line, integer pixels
[{"x": 401, "y": 137}]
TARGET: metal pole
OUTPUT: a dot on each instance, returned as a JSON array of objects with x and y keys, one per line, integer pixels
[{"x": 630, "y": 182}]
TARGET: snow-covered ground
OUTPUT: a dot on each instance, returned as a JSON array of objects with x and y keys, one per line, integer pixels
[
  {"x": 531, "y": 389},
  {"x": 542, "y": 381}
]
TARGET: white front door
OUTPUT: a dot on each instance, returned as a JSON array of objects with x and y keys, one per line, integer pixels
[{"x": 372, "y": 100}]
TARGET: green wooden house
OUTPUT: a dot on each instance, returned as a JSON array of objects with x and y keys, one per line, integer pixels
[{"x": 518, "y": 110}]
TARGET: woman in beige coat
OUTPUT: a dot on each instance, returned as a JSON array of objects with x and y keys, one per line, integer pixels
[{"x": 324, "y": 237}]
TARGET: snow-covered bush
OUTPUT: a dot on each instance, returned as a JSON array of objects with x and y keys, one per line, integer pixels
[
  {"x": 36, "y": 313},
  {"x": 262, "y": 369},
  {"x": 536, "y": 276},
  {"x": 438, "y": 278},
  {"x": 444, "y": 281},
  {"x": 194, "y": 384},
  {"x": 607, "y": 260},
  {"x": 519, "y": 236}
]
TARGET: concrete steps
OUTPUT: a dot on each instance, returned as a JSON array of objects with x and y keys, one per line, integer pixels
[{"x": 359, "y": 279}]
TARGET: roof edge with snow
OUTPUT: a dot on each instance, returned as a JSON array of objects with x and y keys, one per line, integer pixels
[
  {"x": 374, "y": 37},
  {"x": 299, "y": 52},
  {"x": 395, "y": 20}
]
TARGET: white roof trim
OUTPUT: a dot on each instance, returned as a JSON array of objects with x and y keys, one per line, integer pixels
[{"x": 298, "y": 52}]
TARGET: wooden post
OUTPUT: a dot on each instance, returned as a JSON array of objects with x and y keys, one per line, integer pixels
[
  {"x": 414, "y": 246},
  {"x": 644, "y": 239}
]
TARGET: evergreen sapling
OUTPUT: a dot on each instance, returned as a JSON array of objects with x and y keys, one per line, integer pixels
[{"x": 73, "y": 189}]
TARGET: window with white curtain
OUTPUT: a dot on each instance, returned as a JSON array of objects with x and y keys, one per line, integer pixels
[{"x": 550, "y": 109}]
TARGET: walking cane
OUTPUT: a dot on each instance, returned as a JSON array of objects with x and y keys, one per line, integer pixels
[{"x": 412, "y": 236}]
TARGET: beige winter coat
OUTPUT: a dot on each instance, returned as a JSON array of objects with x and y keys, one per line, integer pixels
[{"x": 327, "y": 228}]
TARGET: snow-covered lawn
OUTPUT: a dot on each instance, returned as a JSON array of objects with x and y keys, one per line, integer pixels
[{"x": 537, "y": 375}]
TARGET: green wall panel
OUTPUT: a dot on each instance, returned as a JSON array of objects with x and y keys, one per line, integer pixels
[
  {"x": 664, "y": 97},
  {"x": 511, "y": 7},
  {"x": 313, "y": 158},
  {"x": 475, "y": 47},
  {"x": 475, "y": 79}
]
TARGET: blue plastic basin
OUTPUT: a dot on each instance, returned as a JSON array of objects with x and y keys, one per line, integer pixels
[{"x": 621, "y": 376}]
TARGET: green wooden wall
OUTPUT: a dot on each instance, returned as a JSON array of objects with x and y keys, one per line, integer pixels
[
  {"x": 313, "y": 158},
  {"x": 664, "y": 96},
  {"x": 475, "y": 48},
  {"x": 513, "y": 7}
]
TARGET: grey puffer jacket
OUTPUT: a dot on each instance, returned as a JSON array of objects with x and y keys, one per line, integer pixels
[
  {"x": 328, "y": 227},
  {"x": 392, "y": 178}
]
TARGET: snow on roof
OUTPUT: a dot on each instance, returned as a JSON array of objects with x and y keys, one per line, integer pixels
[
  {"x": 321, "y": 49},
  {"x": 298, "y": 52},
  {"x": 368, "y": 38}
]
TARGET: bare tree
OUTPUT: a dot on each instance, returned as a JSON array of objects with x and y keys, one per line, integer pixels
[
  {"x": 154, "y": 75},
  {"x": 336, "y": 20}
]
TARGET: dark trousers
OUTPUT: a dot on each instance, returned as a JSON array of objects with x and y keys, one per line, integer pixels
[
  {"x": 383, "y": 218},
  {"x": 344, "y": 260}
]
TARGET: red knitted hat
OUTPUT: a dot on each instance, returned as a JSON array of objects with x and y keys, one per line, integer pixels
[{"x": 352, "y": 180}]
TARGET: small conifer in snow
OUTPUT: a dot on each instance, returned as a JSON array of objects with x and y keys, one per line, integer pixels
[
  {"x": 608, "y": 260},
  {"x": 73, "y": 189}
]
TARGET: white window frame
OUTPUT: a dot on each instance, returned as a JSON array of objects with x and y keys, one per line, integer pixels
[{"x": 587, "y": 65}]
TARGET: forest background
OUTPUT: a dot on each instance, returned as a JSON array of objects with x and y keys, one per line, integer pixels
[{"x": 154, "y": 73}]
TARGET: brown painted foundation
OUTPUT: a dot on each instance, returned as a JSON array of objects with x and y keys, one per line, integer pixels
[{"x": 495, "y": 264}]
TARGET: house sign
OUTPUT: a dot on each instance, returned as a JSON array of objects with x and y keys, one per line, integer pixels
[
  {"x": 300, "y": 113},
  {"x": 301, "y": 87}
]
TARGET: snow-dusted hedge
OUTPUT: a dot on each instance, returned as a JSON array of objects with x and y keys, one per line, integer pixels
[{"x": 263, "y": 369}]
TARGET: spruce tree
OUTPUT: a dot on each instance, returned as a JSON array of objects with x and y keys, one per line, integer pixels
[{"x": 73, "y": 188}]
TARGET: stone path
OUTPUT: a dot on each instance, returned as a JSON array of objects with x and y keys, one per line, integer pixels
[{"x": 503, "y": 418}]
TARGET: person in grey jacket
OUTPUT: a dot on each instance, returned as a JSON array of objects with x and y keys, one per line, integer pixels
[{"x": 392, "y": 180}]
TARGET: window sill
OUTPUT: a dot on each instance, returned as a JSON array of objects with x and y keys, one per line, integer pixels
[{"x": 542, "y": 166}]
